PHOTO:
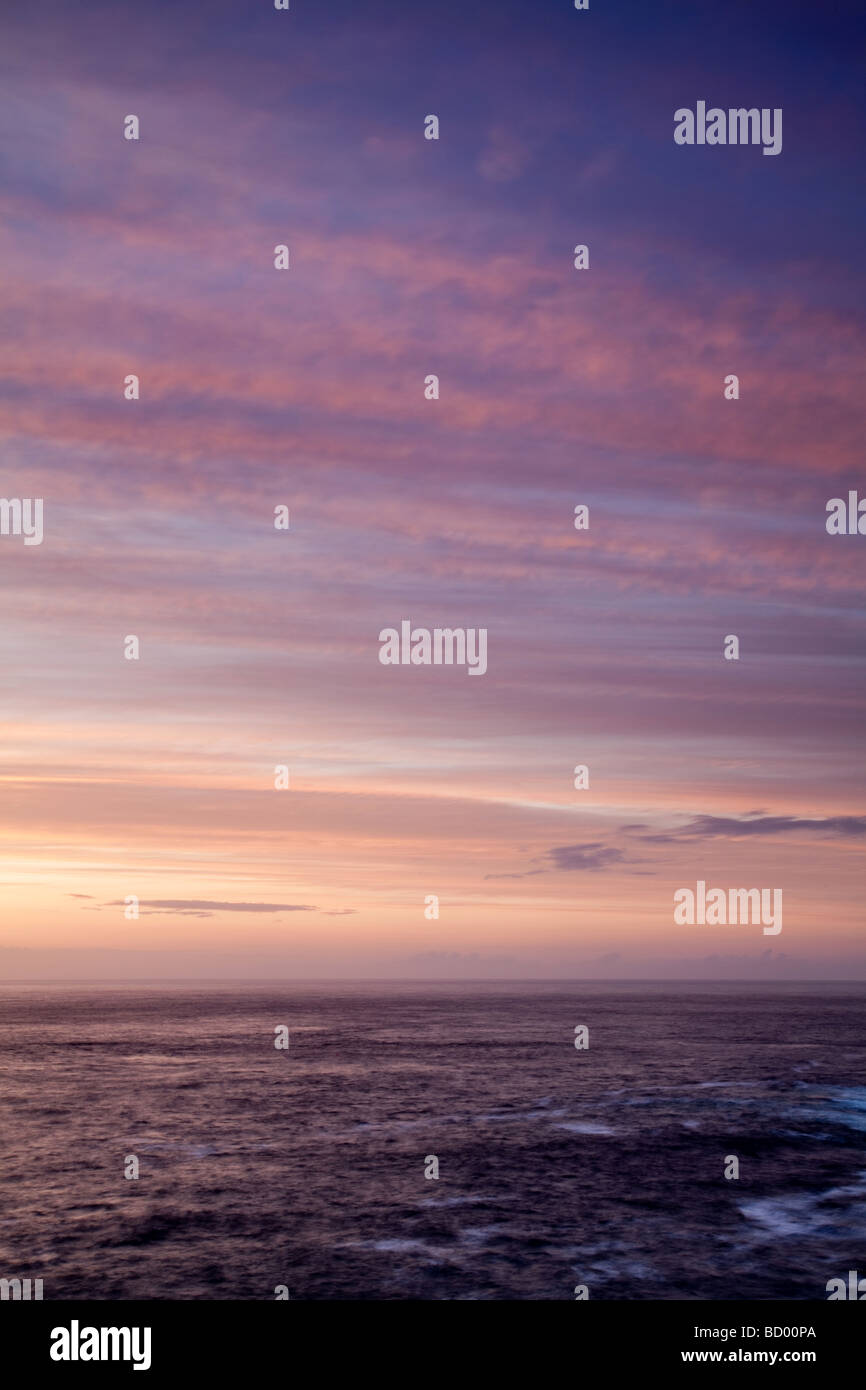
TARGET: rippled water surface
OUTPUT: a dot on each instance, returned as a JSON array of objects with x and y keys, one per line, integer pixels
[{"x": 305, "y": 1167}]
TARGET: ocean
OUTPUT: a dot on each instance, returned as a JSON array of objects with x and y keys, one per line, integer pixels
[{"x": 303, "y": 1168}]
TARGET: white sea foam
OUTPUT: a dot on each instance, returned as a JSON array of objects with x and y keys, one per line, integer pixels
[
  {"x": 584, "y": 1127},
  {"x": 811, "y": 1214}
]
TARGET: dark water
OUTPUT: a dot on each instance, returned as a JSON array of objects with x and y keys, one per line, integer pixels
[{"x": 557, "y": 1167}]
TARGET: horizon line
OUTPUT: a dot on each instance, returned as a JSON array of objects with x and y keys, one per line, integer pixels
[{"x": 428, "y": 980}]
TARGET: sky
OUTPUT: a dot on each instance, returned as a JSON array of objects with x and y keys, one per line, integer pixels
[{"x": 304, "y": 388}]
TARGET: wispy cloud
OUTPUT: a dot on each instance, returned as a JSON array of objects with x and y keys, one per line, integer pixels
[
  {"x": 754, "y": 825},
  {"x": 207, "y": 905},
  {"x": 585, "y": 858}
]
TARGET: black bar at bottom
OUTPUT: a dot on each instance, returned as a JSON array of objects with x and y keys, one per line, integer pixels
[{"x": 166, "y": 1340}]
